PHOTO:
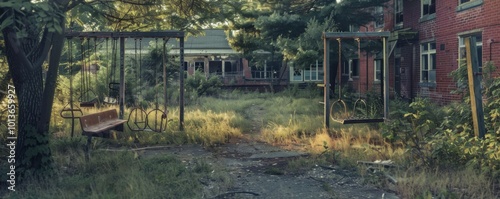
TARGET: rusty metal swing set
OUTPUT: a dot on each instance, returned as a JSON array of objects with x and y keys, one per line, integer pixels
[
  {"x": 348, "y": 118},
  {"x": 74, "y": 112}
]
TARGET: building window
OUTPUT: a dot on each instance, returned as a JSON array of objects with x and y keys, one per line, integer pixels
[
  {"x": 428, "y": 7},
  {"x": 199, "y": 66},
  {"x": 479, "y": 48},
  {"x": 354, "y": 68},
  {"x": 313, "y": 73},
  {"x": 297, "y": 74},
  {"x": 398, "y": 11},
  {"x": 345, "y": 68},
  {"x": 377, "y": 70},
  {"x": 215, "y": 67},
  {"x": 379, "y": 17},
  {"x": 428, "y": 62},
  {"x": 467, "y": 4},
  {"x": 465, "y": 1},
  {"x": 186, "y": 69}
]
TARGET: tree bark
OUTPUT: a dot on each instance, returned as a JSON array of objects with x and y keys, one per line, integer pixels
[
  {"x": 31, "y": 147},
  {"x": 34, "y": 95}
]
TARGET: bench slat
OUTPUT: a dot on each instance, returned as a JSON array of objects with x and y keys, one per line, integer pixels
[{"x": 96, "y": 123}]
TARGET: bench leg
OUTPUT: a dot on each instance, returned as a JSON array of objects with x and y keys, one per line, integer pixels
[{"x": 87, "y": 148}]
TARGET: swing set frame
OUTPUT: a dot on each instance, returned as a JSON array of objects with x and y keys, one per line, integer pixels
[
  {"x": 121, "y": 36},
  {"x": 339, "y": 36}
]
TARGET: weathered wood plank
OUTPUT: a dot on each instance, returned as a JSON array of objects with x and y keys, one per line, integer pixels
[{"x": 475, "y": 87}]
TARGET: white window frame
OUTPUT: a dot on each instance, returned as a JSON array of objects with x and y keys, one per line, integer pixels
[
  {"x": 377, "y": 62},
  {"x": 314, "y": 70},
  {"x": 292, "y": 75},
  {"x": 431, "y": 64},
  {"x": 464, "y": 1},
  {"x": 424, "y": 2},
  {"x": 195, "y": 70},
  {"x": 461, "y": 48},
  {"x": 398, "y": 9}
]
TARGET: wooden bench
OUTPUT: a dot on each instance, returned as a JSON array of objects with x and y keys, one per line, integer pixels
[{"x": 99, "y": 125}]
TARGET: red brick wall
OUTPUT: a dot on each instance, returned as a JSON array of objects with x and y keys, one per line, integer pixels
[{"x": 444, "y": 30}]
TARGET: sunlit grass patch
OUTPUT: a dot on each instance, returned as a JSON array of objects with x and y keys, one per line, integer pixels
[
  {"x": 467, "y": 183},
  {"x": 208, "y": 127},
  {"x": 321, "y": 142}
]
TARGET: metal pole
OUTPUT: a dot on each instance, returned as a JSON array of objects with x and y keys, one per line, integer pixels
[
  {"x": 265, "y": 69},
  {"x": 122, "y": 78},
  {"x": 386, "y": 79},
  {"x": 164, "y": 57},
  {"x": 326, "y": 80},
  {"x": 70, "y": 58},
  {"x": 181, "y": 86},
  {"x": 339, "y": 69}
]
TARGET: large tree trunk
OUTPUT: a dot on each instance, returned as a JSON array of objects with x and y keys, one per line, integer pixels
[
  {"x": 34, "y": 96},
  {"x": 32, "y": 149}
]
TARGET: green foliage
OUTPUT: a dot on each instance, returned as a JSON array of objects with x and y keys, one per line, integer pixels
[
  {"x": 275, "y": 25},
  {"x": 27, "y": 17},
  {"x": 444, "y": 136},
  {"x": 198, "y": 84},
  {"x": 293, "y": 29},
  {"x": 307, "y": 48}
]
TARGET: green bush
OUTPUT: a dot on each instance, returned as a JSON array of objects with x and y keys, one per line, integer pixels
[
  {"x": 198, "y": 84},
  {"x": 444, "y": 136}
]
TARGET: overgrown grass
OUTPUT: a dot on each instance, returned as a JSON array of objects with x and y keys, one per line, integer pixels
[
  {"x": 114, "y": 175},
  {"x": 465, "y": 183},
  {"x": 202, "y": 126},
  {"x": 288, "y": 118}
]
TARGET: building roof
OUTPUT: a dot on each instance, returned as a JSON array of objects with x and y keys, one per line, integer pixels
[{"x": 212, "y": 41}]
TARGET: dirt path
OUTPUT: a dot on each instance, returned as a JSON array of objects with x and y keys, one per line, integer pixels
[{"x": 253, "y": 169}]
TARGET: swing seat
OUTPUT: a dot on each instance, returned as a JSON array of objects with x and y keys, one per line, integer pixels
[
  {"x": 345, "y": 117},
  {"x": 357, "y": 121},
  {"x": 99, "y": 125},
  {"x": 87, "y": 104}
]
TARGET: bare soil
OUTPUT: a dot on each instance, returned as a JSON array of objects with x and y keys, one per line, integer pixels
[{"x": 254, "y": 169}]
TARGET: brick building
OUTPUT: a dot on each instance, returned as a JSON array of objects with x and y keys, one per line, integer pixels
[{"x": 426, "y": 43}]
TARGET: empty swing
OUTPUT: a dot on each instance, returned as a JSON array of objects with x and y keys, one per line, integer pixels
[
  {"x": 157, "y": 118},
  {"x": 113, "y": 87},
  {"x": 71, "y": 110},
  {"x": 137, "y": 118},
  {"x": 88, "y": 98},
  {"x": 339, "y": 110}
]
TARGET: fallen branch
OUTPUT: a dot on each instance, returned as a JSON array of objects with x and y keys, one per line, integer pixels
[{"x": 138, "y": 149}]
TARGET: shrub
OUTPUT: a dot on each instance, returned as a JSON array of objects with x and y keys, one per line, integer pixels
[
  {"x": 199, "y": 85},
  {"x": 444, "y": 136}
]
